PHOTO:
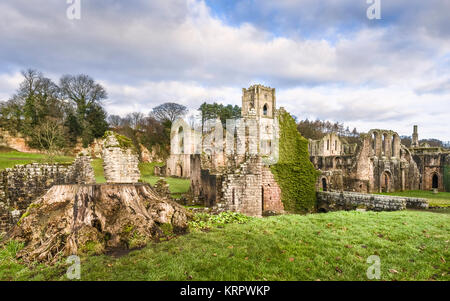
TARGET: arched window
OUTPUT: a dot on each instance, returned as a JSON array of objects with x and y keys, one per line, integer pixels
[
  {"x": 265, "y": 110},
  {"x": 435, "y": 181},
  {"x": 181, "y": 139},
  {"x": 324, "y": 184}
]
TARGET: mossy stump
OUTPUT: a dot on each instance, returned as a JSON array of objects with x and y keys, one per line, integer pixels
[{"x": 92, "y": 219}]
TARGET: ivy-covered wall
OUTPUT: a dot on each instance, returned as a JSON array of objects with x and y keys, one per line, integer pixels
[
  {"x": 294, "y": 172},
  {"x": 447, "y": 178}
]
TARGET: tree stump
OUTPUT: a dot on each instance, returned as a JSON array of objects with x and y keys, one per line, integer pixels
[{"x": 92, "y": 219}]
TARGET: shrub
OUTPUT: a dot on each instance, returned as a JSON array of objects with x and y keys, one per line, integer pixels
[{"x": 202, "y": 221}]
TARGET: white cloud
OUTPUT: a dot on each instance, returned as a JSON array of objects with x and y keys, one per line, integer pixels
[{"x": 150, "y": 52}]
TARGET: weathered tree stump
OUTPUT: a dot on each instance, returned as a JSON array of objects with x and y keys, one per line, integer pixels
[{"x": 91, "y": 219}]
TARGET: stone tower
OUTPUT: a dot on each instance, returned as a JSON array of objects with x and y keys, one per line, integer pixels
[
  {"x": 259, "y": 109},
  {"x": 258, "y": 100},
  {"x": 415, "y": 137}
]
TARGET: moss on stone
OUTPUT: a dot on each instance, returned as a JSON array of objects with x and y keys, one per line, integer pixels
[
  {"x": 294, "y": 172},
  {"x": 124, "y": 142}
]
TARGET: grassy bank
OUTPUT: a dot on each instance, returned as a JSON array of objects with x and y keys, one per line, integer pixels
[
  {"x": 11, "y": 158},
  {"x": 412, "y": 245},
  {"x": 441, "y": 199}
]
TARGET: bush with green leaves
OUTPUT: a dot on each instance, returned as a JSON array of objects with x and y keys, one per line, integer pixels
[{"x": 204, "y": 221}]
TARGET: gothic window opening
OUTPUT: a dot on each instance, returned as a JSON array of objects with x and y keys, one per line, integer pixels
[{"x": 435, "y": 181}]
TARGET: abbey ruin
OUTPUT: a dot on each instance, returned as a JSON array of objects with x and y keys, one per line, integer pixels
[
  {"x": 231, "y": 171},
  {"x": 230, "y": 165},
  {"x": 378, "y": 163},
  {"x": 226, "y": 179}
]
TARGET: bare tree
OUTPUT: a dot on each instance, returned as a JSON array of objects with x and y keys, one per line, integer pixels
[
  {"x": 49, "y": 135},
  {"x": 82, "y": 91},
  {"x": 135, "y": 120},
  {"x": 168, "y": 111},
  {"x": 114, "y": 121}
]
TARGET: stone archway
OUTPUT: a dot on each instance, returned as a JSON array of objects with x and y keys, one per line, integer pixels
[
  {"x": 386, "y": 182},
  {"x": 179, "y": 171}
]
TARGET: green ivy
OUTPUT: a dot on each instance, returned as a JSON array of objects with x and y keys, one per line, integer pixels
[
  {"x": 294, "y": 172},
  {"x": 447, "y": 178}
]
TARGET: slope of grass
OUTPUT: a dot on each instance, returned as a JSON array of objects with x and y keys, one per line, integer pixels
[
  {"x": 11, "y": 158},
  {"x": 412, "y": 245},
  {"x": 441, "y": 199}
]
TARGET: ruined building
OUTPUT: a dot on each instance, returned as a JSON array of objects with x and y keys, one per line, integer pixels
[
  {"x": 120, "y": 160},
  {"x": 433, "y": 164},
  {"x": 228, "y": 167},
  {"x": 378, "y": 163}
]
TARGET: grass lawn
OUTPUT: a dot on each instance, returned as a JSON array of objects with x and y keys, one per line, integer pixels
[
  {"x": 11, "y": 158},
  {"x": 441, "y": 199},
  {"x": 412, "y": 245},
  {"x": 177, "y": 186}
]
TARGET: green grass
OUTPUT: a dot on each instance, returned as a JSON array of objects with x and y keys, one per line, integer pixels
[
  {"x": 441, "y": 199},
  {"x": 412, "y": 245},
  {"x": 97, "y": 165},
  {"x": 177, "y": 186},
  {"x": 11, "y": 158}
]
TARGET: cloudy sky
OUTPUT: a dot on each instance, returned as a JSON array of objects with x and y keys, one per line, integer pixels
[{"x": 326, "y": 59}]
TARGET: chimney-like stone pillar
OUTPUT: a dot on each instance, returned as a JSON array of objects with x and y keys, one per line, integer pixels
[
  {"x": 120, "y": 159},
  {"x": 415, "y": 137}
]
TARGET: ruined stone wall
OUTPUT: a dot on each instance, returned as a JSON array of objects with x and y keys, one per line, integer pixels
[
  {"x": 251, "y": 190},
  {"x": 332, "y": 201},
  {"x": 21, "y": 185},
  {"x": 271, "y": 193},
  {"x": 380, "y": 163},
  {"x": 178, "y": 165},
  {"x": 432, "y": 165},
  {"x": 120, "y": 162}
]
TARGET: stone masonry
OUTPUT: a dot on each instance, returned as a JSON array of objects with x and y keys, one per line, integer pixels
[
  {"x": 332, "y": 201},
  {"x": 120, "y": 163},
  {"x": 240, "y": 180},
  {"x": 22, "y": 184}
]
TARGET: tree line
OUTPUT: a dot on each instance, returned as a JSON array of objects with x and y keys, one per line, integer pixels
[
  {"x": 317, "y": 129},
  {"x": 55, "y": 115}
]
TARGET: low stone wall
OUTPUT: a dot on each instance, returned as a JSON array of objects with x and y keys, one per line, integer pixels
[
  {"x": 332, "y": 201},
  {"x": 22, "y": 184}
]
